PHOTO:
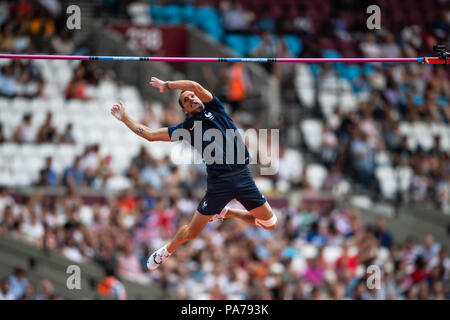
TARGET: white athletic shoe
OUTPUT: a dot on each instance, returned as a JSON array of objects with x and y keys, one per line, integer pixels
[
  {"x": 157, "y": 257},
  {"x": 220, "y": 216}
]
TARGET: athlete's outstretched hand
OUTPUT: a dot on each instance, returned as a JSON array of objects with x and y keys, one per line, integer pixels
[
  {"x": 118, "y": 111},
  {"x": 155, "y": 82}
]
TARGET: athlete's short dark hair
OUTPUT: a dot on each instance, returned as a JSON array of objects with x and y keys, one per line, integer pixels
[{"x": 179, "y": 99}]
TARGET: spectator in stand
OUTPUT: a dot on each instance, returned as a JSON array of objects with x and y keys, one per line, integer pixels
[
  {"x": 112, "y": 288},
  {"x": 363, "y": 158},
  {"x": 314, "y": 272},
  {"x": 333, "y": 179},
  {"x": 19, "y": 283},
  {"x": 430, "y": 248},
  {"x": 303, "y": 22},
  {"x": 128, "y": 263},
  {"x": 268, "y": 48},
  {"x": 329, "y": 152},
  {"x": 47, "y": 291},
  {"x": 266, "y": 22},
  {"x": 47, "y": 132},
  {"x": 238, "y": 86},
  {"x": 127, "y": 202},
  {"x": 62, "y": 43},
  {"x": 383, "y": 236},
  {"x": 370, "y": 48},
  {"x": 4, "y": 11},
  {"x": 41, "y": 28},
  {"x": 67, "y": 136},
  {"x": 49, "y": 174},
  {"x": 137, "y": 165},
  {"x": 25, "y": 133},
  {"x": 139, "y": 11},
  {"x": 90, "y": 158},
  {"x": 106, "y": 257},
  {"x": 421, "y": 184},
  {"x": 27, "y": 86},
  {"x": 76, "y": 88},
  {"x": 234, "y": 17},
  {"x": 5, "y": 290},
  {"x": 2, "y": 135},
  {"x": 390, "y": 48},
  {"x": 104, "y": 171},
  {"x": 73, "y": 175},
  {"x": 420, "y": 273}
]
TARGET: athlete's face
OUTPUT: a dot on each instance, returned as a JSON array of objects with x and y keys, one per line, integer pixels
[{"x": 191, "y": 103}]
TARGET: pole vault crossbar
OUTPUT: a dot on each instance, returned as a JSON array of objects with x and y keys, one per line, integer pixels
[
  {"x": 424, "y": 60},
  {"x": 442, "y": 58}
]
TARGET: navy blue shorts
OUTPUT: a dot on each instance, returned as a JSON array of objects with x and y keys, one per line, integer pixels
[{"x": 221, "y": 190}]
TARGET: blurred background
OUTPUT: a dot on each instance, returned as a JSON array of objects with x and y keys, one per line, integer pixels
[{"x": 364, "y": 170}]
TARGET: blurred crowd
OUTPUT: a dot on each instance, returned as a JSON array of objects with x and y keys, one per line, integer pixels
[
  {"x": 26, "y": 132},
  {"x": 318, "y": 252},
  {"x": 34, "y": 26},
  {"x": 18, "y": 286},
  {"x": 89, "y": 169},
  {"x": 20, "y": 79},
  {"x": 360, "y": 141}
]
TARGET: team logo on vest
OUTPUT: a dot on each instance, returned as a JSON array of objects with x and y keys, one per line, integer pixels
[{"x": 209, "y": 115}]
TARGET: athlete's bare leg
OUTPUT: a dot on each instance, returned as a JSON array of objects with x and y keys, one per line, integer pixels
[
  {"x": 263, "y": 212},
  {"x": 244, "y": 215},
  {"x": 189, "y": 231}
]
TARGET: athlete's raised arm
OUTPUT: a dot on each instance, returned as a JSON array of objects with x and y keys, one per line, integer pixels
[
  {"x": 162, "y": 134},
  {"x": 187, "y": 85}
]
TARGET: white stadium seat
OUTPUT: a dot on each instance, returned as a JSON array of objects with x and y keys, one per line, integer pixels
[
  {"x": 387, "y": 180},
  {"x": 328, "y": 101},
  {"x": 118, "y": 183},
  {"x": 316, "y": 174},
  {"x": 312, "y": 132}
]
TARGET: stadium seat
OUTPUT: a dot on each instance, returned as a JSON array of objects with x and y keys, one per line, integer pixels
[
  {"x": 118, "y": 183},
  {"x": 157, "y": 13},
  {"x": 188, "y": 13},
  {"x": 404, "y": 177},
  {"x": 386, "y": 179},
  {"x": 6, "y": 179},
  {"x": 316, "y": 174},
  {"x": 86, "y": 215},
  {"x": 382, "y": 159},
  {"x": 46, "y": 150},
  {"x": 312, "y": 133},
  {"x": 253, "y": 41},
  {"x": 332, "y": 253},
  {"x": 294, "y": 44},
  {"x": 106, "y": 90},
  {"x": 237, "y": 43},
  {"x": 9, "y": 149},
  {"x": 423, "y": 135},
  {"x": 308, "y": 251},
  {"x": 328, "y": 101},
  {"x": 173, "y": 13},
  {"x": 348, "y": 102}
]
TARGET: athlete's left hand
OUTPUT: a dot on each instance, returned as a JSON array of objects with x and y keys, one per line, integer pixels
[
  {"x": 155, "y": 82},
  {"x": 118, "y": 111}
]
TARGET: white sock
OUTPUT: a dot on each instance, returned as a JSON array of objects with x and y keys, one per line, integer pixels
[
  {"x": 167, "y": 251},
  {"x": 225, "y": 210}
]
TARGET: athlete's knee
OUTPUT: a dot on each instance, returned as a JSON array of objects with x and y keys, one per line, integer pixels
[
  {"x": 269, "y": 224},
  {"x": 273, "y": 227}
]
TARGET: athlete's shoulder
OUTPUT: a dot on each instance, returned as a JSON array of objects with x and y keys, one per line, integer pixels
[{"x": 214, "y": 103}]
